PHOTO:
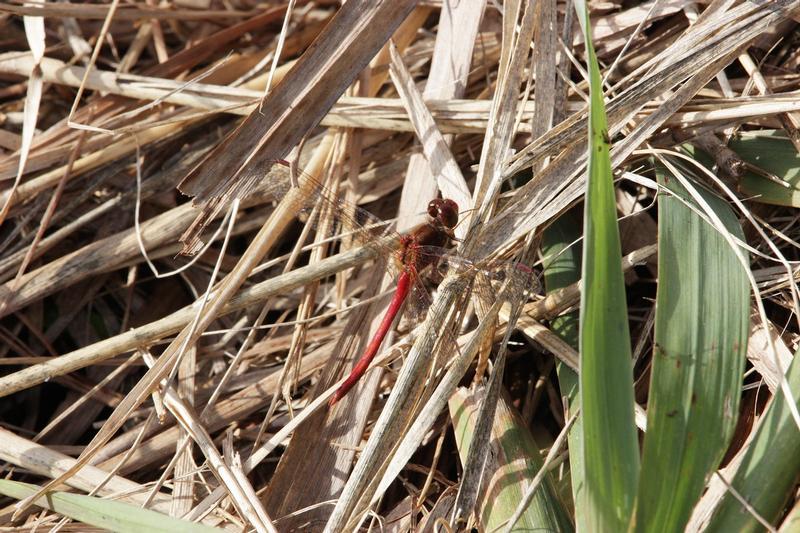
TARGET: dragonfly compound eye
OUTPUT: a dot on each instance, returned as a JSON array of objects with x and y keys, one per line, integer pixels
[
  {"x": 445, "y": 211},
  {"x": 433, "y": 209}
]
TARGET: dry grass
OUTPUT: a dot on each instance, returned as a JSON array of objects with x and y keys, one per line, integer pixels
[{"x": 107, "y": 109}]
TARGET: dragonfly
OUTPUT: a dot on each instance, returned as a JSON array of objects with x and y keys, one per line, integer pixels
[
  {"x": 414, "y": 252},
  {"x": 412, "y": 257}
]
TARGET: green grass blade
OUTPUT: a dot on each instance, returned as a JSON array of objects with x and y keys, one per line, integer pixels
[
  {"x": 769, "y": 152},
  {"x": 562, "y": 267},
  {"x": 106, "y": 514},
  {"x": 509, "y": 469},
  {"x": 610, "y": 447},
  {"x": 701, "y": 330},
  {"x": 773, "y": 152},
  {"x": 772, "y": 461}
]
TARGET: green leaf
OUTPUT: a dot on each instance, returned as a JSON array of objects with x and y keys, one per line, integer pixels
[
  {"x": 701, "y": 330},
  {"x": 772, "y": 461},
  {"x": 562, "y": 251},
  {"x": 773, "y": 152},
  {"x": 510, "y": 467},
  {"x": 770, "y": 152},
  {"x": 610, "y": 447},
  {"x": 102, "y": 513}
]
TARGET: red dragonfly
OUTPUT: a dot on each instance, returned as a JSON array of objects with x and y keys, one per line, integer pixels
[
  {"x": 437, "y": 232},
  {"x": 422, "y": 247}
]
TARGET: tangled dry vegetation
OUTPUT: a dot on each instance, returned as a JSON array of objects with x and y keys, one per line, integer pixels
[{"x": 114, "y": 114}]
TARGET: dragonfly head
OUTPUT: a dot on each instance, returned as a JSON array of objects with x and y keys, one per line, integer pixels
[{"x": 445, "y": 211}]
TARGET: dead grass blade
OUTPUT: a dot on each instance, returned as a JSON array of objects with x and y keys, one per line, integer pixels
[
  {"x": 34, "y": 32},
  {"x": 448, "y": 79},
  {"x": 696, "y": 65},
  {"x": 504, "y": 112},
  {"x": 46, "y": 462},
  {"x": 295, "y": 106},
  {"x": 128, "y": 12},
  {"x": 152, "y": 332},
  {"x": 434, "y": 146}
]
